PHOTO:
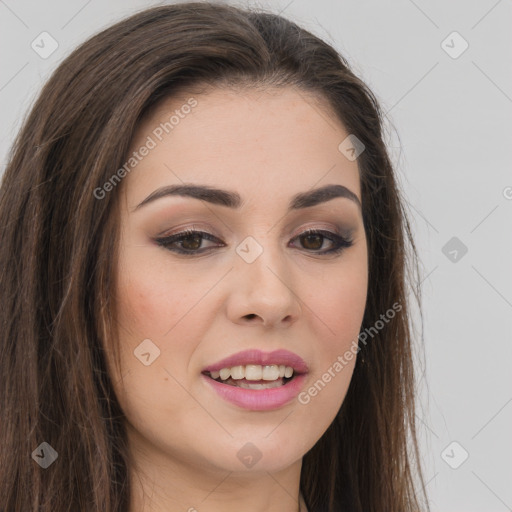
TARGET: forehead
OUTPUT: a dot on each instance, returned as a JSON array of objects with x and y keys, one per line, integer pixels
[{"x": 280, "y": 139}]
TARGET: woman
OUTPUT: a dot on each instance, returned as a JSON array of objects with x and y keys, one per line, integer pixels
[{"x": 203, "y": 255}]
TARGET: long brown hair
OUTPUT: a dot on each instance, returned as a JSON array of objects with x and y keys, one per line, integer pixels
[{"x": 58, "y": 250}]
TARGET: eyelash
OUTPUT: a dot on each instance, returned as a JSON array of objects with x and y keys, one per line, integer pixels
[{"x": 340, "y": 242}]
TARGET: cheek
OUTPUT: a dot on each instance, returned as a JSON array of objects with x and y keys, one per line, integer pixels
[
  {"x": 343, "y": 305},
  {"x": 150, "y": 298},
  {"x": 340, "y": 307},
  {"x": 340, "y": 300},
  {"x": 145, "y": 305},
  {"x": 150, "y": 307}
]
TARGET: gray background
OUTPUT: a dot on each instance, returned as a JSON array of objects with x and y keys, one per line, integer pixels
[{"x": 450, "y": 136}]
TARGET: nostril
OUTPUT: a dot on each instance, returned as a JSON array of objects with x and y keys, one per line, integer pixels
[{"x": 250, "y": 316}]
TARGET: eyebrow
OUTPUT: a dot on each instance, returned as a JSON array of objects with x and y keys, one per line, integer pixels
[{"x": 233, "y": 200}]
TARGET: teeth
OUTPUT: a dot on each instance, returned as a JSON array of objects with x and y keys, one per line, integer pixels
[
  {"x": 271, "y": 372},
  {"x": 254, "y": 372},
  {"x": 237, "y": 372},
  {"x": 225, "y": 373},
  {"x": 268, "y": 385}
]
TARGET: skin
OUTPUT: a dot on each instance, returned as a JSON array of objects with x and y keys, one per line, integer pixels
[{"x": 266, "y": 146}]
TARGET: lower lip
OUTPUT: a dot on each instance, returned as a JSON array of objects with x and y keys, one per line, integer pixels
[{"x": 259, "y": 399}]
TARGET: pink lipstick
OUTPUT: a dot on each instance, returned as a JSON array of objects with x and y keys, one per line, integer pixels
[{"x": 280, "y": 374}]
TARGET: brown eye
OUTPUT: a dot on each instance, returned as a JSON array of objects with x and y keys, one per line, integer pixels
[
  {"x": 191, "y": 242},
  {"x": 313, "y": 242},
  {"x": 188, "y": 242}
]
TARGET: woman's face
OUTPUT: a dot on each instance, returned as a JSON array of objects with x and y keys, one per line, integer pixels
[{"x": 246, "y": 279}]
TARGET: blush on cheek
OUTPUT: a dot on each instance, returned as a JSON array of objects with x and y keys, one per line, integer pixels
[
  {"x": 133, "y": 306},
  {"x": 345, "y": 310},
  {"x": 142, "y": 305}
]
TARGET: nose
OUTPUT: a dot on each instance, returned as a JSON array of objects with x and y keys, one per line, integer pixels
[{"x": 262, "y": 292}]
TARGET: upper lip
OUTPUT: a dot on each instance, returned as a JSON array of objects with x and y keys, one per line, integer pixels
[{"x": 277, "y": 357}]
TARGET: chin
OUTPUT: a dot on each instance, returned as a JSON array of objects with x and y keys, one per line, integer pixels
[{"x": 258, "y": 455}]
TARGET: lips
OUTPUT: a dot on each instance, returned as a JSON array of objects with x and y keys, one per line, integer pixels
[{"x": 270, "y": 398}]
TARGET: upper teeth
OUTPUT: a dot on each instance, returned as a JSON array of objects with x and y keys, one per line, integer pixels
[{"x": 254, "y": 372}]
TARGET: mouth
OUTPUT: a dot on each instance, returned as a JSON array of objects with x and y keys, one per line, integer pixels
[
  {"x": 258, "y": 381},
  {"x": 257, "y": 370},
  {"x": 254, "y": 376}
]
